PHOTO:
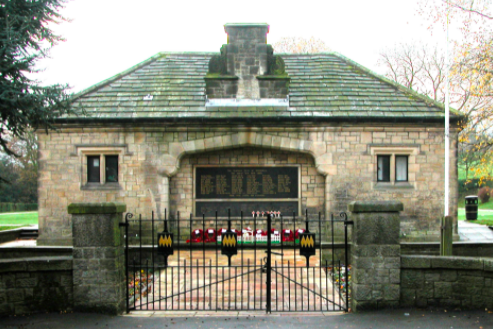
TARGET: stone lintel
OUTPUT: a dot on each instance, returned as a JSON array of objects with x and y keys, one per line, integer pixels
[
  {"x": 97, "y": 208},
  {"x": 375, "y": 206}
]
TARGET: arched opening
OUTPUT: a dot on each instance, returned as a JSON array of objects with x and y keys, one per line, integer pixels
[{"x": 311, "y": 184}]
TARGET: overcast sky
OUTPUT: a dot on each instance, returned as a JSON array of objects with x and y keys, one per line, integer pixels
[{"x": 106, "y": 37}]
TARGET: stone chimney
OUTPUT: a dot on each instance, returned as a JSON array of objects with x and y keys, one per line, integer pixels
[{"x": 246, "y": 65}]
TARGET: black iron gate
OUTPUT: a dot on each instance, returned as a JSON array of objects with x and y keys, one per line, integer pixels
[{"x": 266, "y": 262}]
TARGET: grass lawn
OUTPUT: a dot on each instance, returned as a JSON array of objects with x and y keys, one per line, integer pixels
[
  {"x": 487, "y": 205},
  {"x": 484, "y": 217},
  {"x": 17, "y": 219},
  {"x": 5, "y": 228}
]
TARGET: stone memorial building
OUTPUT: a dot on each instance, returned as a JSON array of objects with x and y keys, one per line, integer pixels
[{"x": 248, "y": 130}]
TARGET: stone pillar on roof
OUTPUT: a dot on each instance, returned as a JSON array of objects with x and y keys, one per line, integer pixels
[{"x": 247, "y": 52}]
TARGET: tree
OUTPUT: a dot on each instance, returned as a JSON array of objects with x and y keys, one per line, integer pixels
[
  {"x": 471, "y": 72},
  {"x": 299, "y": 45},
  {"x": 422, "y": 68},
  {"x": 25, "y": 38},
  {"x": 20, "y": 170}
]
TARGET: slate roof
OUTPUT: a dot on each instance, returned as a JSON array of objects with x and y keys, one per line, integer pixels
[{"x": 324, "y": 87}]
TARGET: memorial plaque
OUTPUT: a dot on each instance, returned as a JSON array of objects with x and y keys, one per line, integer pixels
[
  {"x": 246, "y": 183},
  {"x": 209, "y": 208}
]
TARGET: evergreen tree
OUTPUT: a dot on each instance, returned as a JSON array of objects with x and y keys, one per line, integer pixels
[{"x": 25, "y": 38}]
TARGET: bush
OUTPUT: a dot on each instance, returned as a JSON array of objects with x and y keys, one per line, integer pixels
[
  {"x": 484, "y": 194},
  {"x": 472, "y": 185}
]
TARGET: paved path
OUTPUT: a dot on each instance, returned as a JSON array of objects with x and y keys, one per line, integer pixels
[
  {"x": 474, "y": 232},
  {"x": 393, "y": 319},
  {"x": 216, "y": 286}
]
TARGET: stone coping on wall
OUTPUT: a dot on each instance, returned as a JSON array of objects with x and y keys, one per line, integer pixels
[
  {"x": 375, "y": 206},
  {"x": 35, "y": 252},
  {"x": 447, "y": 262},
  {"x": 97, "y": 208},
  {"x": 35, "y": 264},
  {"x": 10, "y": 235}
]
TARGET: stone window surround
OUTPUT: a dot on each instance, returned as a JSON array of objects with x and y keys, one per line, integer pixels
[
  {"x": 84, "y": 152},
  {"x": 411, "y": 152}
]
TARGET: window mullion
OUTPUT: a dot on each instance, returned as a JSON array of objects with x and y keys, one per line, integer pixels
[
  {"x": 102, "y": 169},
  {"x": 392, "y": 169}
]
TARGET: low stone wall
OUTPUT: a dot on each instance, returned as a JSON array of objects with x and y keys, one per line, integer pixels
[
  {"x": 34, "y": 251},
  {"x": 471, "y": 249},
  {"x": 464, "y": 282},
  {"x": 35, "y": 285},
  {"x": 10, "y": 235}
]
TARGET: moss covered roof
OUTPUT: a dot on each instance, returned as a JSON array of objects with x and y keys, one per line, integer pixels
[{"x": 324, "y": 87}]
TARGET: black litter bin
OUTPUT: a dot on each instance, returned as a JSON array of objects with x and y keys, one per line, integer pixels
[{"x": 471, "y": 207}]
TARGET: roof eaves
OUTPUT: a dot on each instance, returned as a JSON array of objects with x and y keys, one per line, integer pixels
[{"x": 400, "y": 87}]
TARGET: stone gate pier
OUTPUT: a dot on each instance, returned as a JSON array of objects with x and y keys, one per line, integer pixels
[
  {"x": 376, "y": 261},
  {"x": 98, "y": 257}
]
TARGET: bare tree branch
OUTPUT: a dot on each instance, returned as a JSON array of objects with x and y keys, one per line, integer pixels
[{"x": 470, "y": 10}]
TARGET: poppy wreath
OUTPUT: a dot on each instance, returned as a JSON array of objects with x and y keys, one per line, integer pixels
[
  {"x": 274, "y": 231},
  {"x": 210, "y": 235},
  {"x": 298, "y": 231},
  {"x": 287, "y": 235},
  {"x": 247, "y": 231},
  {"x": 259, "y": 231},
  {"x": 238, "y": 233},
  {"x": 221, "y": 231},
  {"x": 197, "y": 236}
]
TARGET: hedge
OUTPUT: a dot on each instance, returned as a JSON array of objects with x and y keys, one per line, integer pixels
[{"x": 14, "y": 207}]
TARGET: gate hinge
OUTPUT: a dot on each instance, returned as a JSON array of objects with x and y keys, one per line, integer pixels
[
  {"x": 348, "y": 222},
  {"x": 123, "y": 224}
]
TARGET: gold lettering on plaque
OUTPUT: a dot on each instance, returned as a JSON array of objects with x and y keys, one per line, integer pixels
[
  {"x": 206, "y": 184},
  {"x": 268, "y": 186},
  {"x": 221, "y": 184},
  {"x": 283, "y": 183},
  {"x": 236, "y": 182},
  {"x": 252, "y": 184}
]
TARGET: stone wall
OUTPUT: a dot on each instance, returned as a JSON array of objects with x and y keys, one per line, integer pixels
[
  {"x": 469, "y": 249},
  {"x": 37, "y": 251},
  {"x": 10, "y": 235},
  {"x": 273, "y": 87},
  {"x": 151, "y": 157},
  {"x": 464, "y": 282},
  {"x": 221, "y": 88},
  {"x": 38, "y": 284}
]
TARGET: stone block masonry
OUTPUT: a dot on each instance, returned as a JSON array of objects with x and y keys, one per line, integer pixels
[
  {"x": 339, "y": 162},
  {"x": 99, "y": 261},
  {"x": 439, "y": 281},
  {"x": 375, "y": 251},
  {"x": 39, "y": 284}
]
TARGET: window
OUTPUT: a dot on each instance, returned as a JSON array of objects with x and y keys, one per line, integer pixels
[
  {"x": 393, "y": 166},
  {"x": 383, "y": 171},
  {"x": 102, "y": 168},
  {"x": 401, "y": 166},
  {"x": 384, "y": 168},
  {"x": 93, "y": 169},
  {"x": 111, "y": 171}
]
